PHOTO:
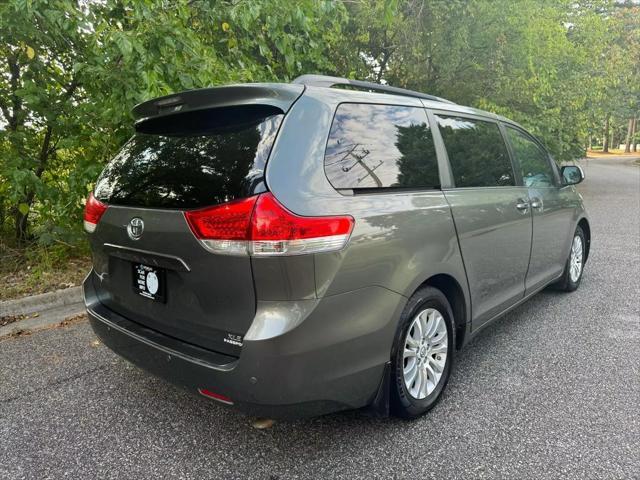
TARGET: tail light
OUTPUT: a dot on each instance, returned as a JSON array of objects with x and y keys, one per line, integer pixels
[
  {"x": 223, "y": 228},
  {"x": 93, "y": 211},
  {"x": 261, "y": 226}
]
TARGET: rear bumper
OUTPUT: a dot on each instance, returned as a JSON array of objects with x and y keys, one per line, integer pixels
[{"x": 332, "y": 360}]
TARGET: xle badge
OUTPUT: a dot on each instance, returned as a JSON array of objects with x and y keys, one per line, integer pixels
[{"x": 234, "y": 339}]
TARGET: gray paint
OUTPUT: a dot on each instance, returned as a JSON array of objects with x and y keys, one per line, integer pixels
[
  {"x": 273, "y": 94},
  {"x": 210, "y": 295},
  {"x": 495, "y": 241},
  {"x": 303, "y": 317}
]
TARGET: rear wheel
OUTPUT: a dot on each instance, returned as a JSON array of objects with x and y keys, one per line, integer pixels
[
  {"x": 574, "y": 267},
  {"x": 423, "y": 353}
]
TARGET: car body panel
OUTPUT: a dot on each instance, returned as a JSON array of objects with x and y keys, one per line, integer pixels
[
  {"x": 400, "y": 240},
  {"x": 208, "y": 297},
  {"x": 553, "y": 228},
  {"x": 495, "y": 240},
  {"x": 292, "y": 362}
]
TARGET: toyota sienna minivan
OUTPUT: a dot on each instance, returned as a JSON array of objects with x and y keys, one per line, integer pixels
[{"x": 298, "y": 249}]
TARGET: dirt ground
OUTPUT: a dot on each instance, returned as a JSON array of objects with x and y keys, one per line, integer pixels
[{"x": 612, "y": 153}]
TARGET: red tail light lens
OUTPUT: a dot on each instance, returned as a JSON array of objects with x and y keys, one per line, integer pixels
[
  {"x": 229, "y": 221},
  {"x": 223, "y": 228},
  {"x": 93, "y": 211},
  {"x": 277, "y": 231},
  {"x": 261, "y": 226}
]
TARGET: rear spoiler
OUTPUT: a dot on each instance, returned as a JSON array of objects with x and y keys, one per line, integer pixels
[{"x": 278, "y": 96}]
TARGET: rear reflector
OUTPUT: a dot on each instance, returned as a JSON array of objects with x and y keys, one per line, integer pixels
[
  {"x": 261, "y": 226},
  {"x": 93, "y": 211},
  {"x": 215, "y": 396}
]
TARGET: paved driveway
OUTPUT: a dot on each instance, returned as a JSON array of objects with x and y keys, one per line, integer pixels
[{"x": 550, "y": 391}]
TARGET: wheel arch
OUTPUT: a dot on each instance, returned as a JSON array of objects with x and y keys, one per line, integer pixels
[{"x": 452, "y": 289}]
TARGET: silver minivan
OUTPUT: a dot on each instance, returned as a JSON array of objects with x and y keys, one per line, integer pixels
[{"x": 297, "y": 249}]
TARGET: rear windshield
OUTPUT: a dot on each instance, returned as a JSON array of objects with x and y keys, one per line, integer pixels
[{"x": 189, "y": 171}]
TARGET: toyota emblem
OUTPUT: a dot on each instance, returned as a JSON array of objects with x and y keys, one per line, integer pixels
[{"x": 135, "y": 228}]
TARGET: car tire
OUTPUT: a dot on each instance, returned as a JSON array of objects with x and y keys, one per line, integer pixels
[
  {"x": 419, "y": 373},
  {"x": 570, "y": 280}
]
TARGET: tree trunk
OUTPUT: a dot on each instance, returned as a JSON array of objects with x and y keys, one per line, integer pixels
[
  {"x": 634, "y": 129},
  {"x": 383, "y": 66},
  {"x": 22, "y": 219},
  {"x": 605, "y": 136},
  {"x": 627, "y": 143},
  {"x": 612, "y": 142}
]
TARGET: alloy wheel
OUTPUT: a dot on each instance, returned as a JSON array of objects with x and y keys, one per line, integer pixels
[
  {"x": 425, "y": 353},
  {"x": 575, "y": 262}
]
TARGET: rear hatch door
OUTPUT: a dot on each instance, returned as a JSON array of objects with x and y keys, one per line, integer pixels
[{"x": 149, "y": 267}]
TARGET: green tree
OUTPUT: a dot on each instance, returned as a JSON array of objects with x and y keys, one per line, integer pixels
[
  {"x": 71, "y": 71},
  {"x": 530, "y": 60}
]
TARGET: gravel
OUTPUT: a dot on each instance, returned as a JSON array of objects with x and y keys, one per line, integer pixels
[{"x": 550, "y": 391}]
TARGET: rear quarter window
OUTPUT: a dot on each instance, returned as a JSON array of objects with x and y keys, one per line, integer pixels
[{"x": 380, "y": 146}]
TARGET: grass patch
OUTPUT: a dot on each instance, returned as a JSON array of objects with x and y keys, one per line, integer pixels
[{"x": 39, "y": 269}]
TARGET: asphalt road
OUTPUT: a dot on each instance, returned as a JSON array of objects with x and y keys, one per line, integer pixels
[{"x": 550, "y": 391}]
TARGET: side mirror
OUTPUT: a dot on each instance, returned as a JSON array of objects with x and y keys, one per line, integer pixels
[{"x": 571, "y": 175}]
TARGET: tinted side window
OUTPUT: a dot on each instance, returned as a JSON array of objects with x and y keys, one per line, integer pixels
[
  {"x": 477, "y": 153},
  {"x": 534, "y": 162},
  {"x": 380, "y": 146}
]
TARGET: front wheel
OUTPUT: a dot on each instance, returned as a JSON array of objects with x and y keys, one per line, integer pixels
[
  {"x": 423, "y": 353},
  {"x": 574, "y": 267}
]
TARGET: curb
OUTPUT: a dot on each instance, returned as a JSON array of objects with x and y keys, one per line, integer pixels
[
  {"x": 48, "y": 318},
  {"x": 50, "y": 309},
  {"x": 44, "y": 301}
]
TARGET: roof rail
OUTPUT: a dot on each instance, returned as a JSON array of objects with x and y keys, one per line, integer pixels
[{"x": 327, "y": 81}]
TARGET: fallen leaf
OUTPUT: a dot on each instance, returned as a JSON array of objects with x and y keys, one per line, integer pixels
[{"x": 262, "y": 423}]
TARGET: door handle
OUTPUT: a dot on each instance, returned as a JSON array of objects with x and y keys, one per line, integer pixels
[
  {"x": 536, "y": 203},
  {"x": 522, "y": 205}
]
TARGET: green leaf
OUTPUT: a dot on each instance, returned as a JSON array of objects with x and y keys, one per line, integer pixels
[
  {"x": 124, "y": 44},
  {"x": 23, "y": 208}
]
